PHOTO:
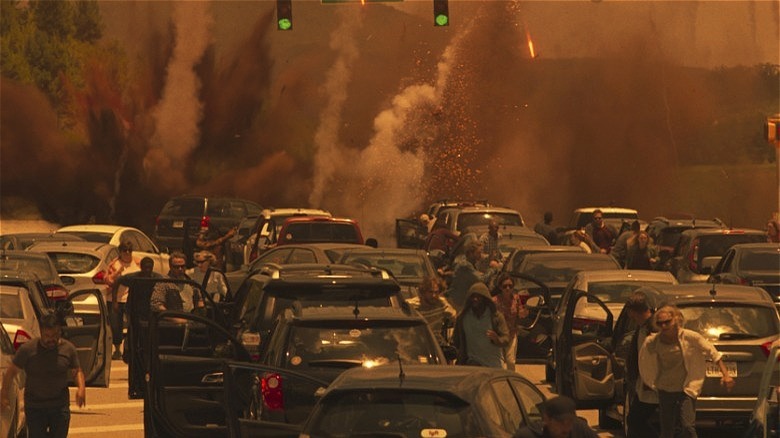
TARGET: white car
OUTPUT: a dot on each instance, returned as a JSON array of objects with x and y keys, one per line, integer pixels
[
  {"x": 266, "y": 229},
  {"x": 86, "y": 263},
  {"x": 115, "y": 234},
  {"x": 12, "y": 420},
  {"x": 612, "y": 287}
]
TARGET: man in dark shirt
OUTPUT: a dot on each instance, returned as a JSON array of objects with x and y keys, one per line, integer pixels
[
  {"x": 47, "y": 362},
  {"x": 546, "y": 229},
  {"x": 559, "y": 420}
]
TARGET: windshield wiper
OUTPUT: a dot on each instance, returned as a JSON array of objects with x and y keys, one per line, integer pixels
[
  {"x": 732, "y": 336},
  {"x": 336, "y": 363}
]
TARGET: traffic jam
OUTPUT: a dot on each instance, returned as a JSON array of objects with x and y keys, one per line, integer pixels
[{"x": 379, "y": 218}]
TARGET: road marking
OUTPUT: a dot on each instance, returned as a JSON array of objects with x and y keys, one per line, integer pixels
[
  {"x": 104, "y": 406},
  {"x": 102, "y": 429}
]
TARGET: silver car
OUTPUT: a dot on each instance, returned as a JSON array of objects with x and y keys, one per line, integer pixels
[{"x": 86, "y": 262}]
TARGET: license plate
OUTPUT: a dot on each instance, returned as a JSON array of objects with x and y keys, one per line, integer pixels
[
  {"x": 178, "y": 224},
  {"x": 713, "y": 370}
]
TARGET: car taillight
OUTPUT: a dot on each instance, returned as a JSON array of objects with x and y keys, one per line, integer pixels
[
  {"x": 766, "y": 348},
  {"x": 55, "y": 292},
  {"x": 205, "y": 221},
  {"x": 99, "y": 278},
  {"x": 21, "y": 337},
  {"x": 271, "y": 391},
  {"x": 693, "y": 256}
]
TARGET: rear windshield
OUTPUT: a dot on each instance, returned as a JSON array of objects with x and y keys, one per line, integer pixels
[
  {"x": 10, "y": 303},
  {"x": 183, "y": 207},
  {"x": 760, "y": 260},
  {"x": 731, "y": 321},
  {"x": 617, "y": 291},
  {"x": 321, "y": 232},
  {"x": 40, "y": 267},
  {"x": 399, "y": 265},
  {"x": 225, "y": 208},
  {"x": 345, "y": 344},
  {"x": 385, "y": 412},
  {"x": 564, "y": 269},
  {"x": 73, "y": 263},
  {"x": 466, "y": 220},
  {"x": 717, "y": 245}
]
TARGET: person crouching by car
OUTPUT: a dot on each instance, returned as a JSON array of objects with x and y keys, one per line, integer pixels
[
  {"x": 481, "y": 332},
  {"x": 559, "y": 420}
]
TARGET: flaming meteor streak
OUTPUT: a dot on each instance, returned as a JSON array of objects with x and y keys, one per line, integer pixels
[{"x": 530, "y": 45}]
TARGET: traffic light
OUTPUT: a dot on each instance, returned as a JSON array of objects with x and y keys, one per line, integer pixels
[
  {"x": 441, "y": 13},
  {"x": 284, "y": 14}
]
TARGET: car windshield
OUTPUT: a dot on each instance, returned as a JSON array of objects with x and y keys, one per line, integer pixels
[
  {"x": 731, "y": 321},
  {"x": 617, "y": 291},
  {"x": 73, "y": 263},
  {"x": 183, "y": 207},
  {"x": 717, "y": 245},
  {"x": 225, "y": 208},
  {"x": 321, "y": 232},
  {"x": 10, "y": 302},
  {"x": 466, "y": 220},
  {"x": 760, "y": 260},
  {"x": 38, "y": 266},
  {"x": 400, "y": 265},
  {"x": 348, "y": 343},
  {"x": 394, "y": 412}
]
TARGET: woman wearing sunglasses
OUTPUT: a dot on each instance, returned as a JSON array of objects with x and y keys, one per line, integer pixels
[{"x": 673, "y": 363}]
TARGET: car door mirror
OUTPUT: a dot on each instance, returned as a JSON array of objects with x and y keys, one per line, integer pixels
[{"x": 535, "y": 302}]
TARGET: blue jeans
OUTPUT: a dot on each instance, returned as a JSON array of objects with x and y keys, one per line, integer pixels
[
  {"x": 48, "y": 422},
  {"x": 678, "y": 414}
]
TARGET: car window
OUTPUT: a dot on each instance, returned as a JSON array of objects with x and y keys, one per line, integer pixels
[
  {"x": 530, "y": 399},
  {"x": 276, "y": 256},
  {"x": 510, "y": 410},
  {"x": 253, "y": 209},
  {"x": 42, "y": 267},
  {"x": 11, "y": 302},
  {"x": 73, "y": 263},
  {"x": 366, "y": 412},
  {"x": 6, "y": 347},
  {"x": 760, "y": 260},
  {"x": 717, "y": 245},
  {"x": 225, "y": 208},
  {"x": 490, "y": 407},
  {"x": 618, "y": 291},
  {"x": 321, "y": 232},
  {"x": 143, "y": 243},
  {"x": 322, "y": 344},
  {"x": 300, "y": 255},
  {"x": 466, "y": 220},
  {"x": 184, "y": 207},
  {"x": 731, "y": 321}
]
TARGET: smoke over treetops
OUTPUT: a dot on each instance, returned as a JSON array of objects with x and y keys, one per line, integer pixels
[{"x": 371, "y": 111}]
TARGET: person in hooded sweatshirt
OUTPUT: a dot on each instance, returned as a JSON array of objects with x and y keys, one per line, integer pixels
[{"x": 481, "y": 332}]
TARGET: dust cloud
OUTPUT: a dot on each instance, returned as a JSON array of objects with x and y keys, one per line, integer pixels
[{"x": 372, "y": 112}]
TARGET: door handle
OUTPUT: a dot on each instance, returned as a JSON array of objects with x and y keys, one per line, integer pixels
[{"x": 217, "y": 377}]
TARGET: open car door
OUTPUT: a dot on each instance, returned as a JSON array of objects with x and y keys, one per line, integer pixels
[
  {"x": 184, "y": 385},
  {"x": 588, "y": 373},
  {"x": 88, "y": 327},
  {"x": 410, "y": 233},
  {"x": 138, "y": 332},
  {"x": 254, "y": 394}
]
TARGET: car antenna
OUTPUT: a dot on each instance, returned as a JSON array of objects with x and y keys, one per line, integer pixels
[
  {"x": 401, "y": 374},
  {"x": 713, "y": 292},
  {"x": 356, "y": 310}
]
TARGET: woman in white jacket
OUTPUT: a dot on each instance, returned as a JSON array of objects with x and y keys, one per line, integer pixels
[{"x": 672, "y": 362}]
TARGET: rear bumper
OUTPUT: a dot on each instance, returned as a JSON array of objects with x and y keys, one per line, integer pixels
[{"x": 734, "y": 408}]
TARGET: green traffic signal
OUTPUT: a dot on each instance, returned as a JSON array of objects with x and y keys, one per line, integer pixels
[
  {"x": 442, "y": 20},
  {"x": 284, "y": 24},
  {"x": 441, "y": 13}
]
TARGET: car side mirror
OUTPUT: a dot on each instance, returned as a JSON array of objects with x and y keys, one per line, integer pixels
[{"x": 535, "y": 301}]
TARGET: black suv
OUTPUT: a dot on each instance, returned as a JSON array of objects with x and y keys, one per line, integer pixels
[
  {"x": 267, "y": 292},
  {"x": 322, "y": 342},
  {"x": 181, "y": 218}
]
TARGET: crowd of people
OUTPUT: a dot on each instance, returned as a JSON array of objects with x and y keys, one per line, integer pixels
[{"x": 665, "y": 368}]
